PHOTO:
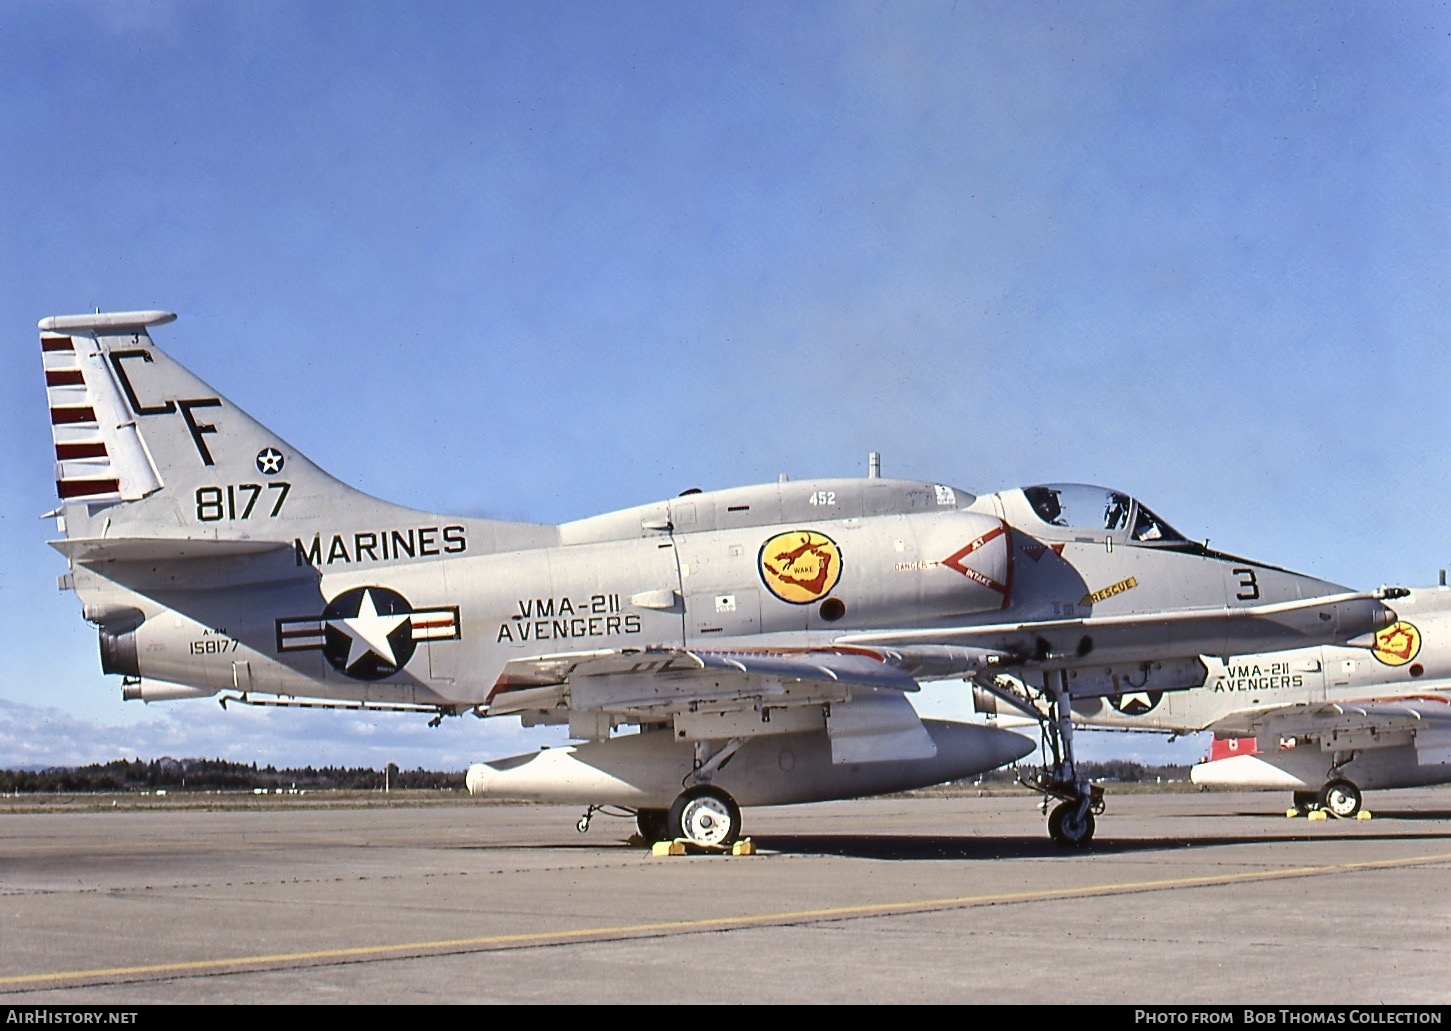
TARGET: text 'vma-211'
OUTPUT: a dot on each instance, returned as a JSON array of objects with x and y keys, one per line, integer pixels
[{"x": 752, "y": 646}]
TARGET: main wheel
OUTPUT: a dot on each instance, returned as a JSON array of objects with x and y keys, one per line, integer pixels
[
  {"x": 653, "y": 824},
  {"x": 1341, "y": 798},
  {"x": 1066, "y": 828},
  {"x": 706, "y": 816},
  {"x": 1306, "y": 801}
]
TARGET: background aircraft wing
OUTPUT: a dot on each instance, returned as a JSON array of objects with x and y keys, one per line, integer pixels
[{"x": 1345, "y": 725}]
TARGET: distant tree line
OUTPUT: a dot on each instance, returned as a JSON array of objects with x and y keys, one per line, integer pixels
[
  {"x": 1132, "y": 773},
  {"x": 219, "y": 775},
  {"x": 1115, "y": 770}
]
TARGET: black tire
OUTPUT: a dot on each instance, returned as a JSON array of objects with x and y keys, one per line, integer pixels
[
  {"x": 705, "y": 816},
  {"x": 1340, "y": 798},
  {"x": 1066, "y": 829},
  {"x": 653, "y": 824},
  {"x": 1306, "y": 802}
]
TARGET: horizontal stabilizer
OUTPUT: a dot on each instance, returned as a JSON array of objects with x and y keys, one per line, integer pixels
[{"x": 156, "y": 549}]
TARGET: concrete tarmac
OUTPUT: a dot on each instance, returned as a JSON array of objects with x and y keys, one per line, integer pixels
[{"x": 1182, "y": 899}]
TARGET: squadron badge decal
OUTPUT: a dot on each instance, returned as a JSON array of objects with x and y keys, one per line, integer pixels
[
  {"x": 800, "y": 566},
  {"x": 368, "y": 633},
  {"x": 1397, "y": 644}
]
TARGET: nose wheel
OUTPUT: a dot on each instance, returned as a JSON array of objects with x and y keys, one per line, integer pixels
[
  {"x": 1071, "y": 824},
  {"x": 1069, "y": 827}
]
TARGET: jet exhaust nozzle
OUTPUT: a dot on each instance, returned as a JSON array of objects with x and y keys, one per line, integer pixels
[{"x": 118, "y": 639}]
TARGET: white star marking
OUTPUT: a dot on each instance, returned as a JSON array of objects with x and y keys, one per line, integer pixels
[
  {"x": 369, "y": 632},
  {"x": 1138, "y": 701},
  {"x": 270, "y": 461}
]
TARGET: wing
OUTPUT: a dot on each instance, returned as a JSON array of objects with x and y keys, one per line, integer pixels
[
  {"x": 1338, "y": 725},
  {"x": 654, "y": 684},
  {"x": 1106, "y": 642},
  {"x": 857, "y": 695}
]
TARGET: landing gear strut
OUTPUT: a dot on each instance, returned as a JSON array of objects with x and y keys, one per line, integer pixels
[
  {"x": 1071, "y": 823},
  {"x": 704, "y": 814}
]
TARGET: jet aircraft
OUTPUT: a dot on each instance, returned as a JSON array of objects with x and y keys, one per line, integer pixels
[
  {"x": 1325, "y": 723},
  {"x": 748, "y": 646}
]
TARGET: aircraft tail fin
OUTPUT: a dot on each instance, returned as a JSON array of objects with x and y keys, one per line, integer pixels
[
  {"x": 143, "y": 440},
  {"x": 1229, "y": 747}
]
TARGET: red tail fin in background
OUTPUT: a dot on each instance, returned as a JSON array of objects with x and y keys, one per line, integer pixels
[{"x": 1225, "y": 748}]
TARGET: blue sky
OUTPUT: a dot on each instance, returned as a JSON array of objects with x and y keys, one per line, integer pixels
[{"x": 544, "y": 260}]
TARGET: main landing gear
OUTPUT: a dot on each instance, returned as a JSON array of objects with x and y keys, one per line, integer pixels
[
  {"x": 1306, "y": 802},
  {"x": 701, "y": 814},
  {"x": 653, "y": 824},
  {"x": 705, "y": 815},
  {"x": 1338, "y": 797}
]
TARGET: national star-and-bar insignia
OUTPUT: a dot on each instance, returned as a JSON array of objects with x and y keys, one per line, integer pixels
[
  {"x": 368, "y": 633},
  {"x": 1136, "y": 703}
]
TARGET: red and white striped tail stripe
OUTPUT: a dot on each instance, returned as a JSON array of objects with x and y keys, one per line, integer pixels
[
  {"x": 439, "y": 624},
  {"x": 83, "y": 466}
]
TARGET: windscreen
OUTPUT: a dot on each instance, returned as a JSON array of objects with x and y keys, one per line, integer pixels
[{"x": 1084, "y": 507}]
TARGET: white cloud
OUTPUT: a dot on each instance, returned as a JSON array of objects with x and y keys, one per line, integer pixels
[{"x": 31, "y": 736}]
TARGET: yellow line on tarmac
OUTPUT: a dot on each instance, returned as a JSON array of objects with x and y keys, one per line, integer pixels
[{"x": 711, "y": 923}]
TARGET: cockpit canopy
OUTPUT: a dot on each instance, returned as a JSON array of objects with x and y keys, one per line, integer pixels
[{"x": 1079, "y": 506}]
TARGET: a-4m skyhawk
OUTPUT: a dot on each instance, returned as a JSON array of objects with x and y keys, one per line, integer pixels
[{"x": 762, "y": 641}]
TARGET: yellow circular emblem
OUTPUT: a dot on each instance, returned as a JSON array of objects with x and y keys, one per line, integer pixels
[
  {"x": 800, "y": 566},
  {"x": 1397, "y": 644}
]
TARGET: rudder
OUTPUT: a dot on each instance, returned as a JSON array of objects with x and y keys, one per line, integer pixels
[{"x": 132, "y": 426}]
